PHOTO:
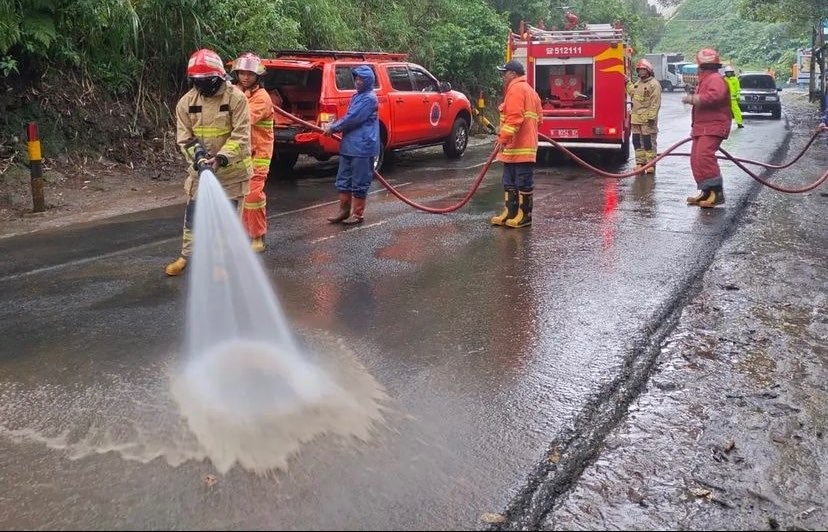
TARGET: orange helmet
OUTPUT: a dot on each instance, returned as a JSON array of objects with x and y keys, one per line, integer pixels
[
  {"x": 643, "y": 63},
  {"x": 205, "y": 63},
  {"x": 708, "y": 56},
  {"x": 249, "y": 62}
]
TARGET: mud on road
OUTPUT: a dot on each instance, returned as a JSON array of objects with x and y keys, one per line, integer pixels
[{"x": 730, "y": 431}]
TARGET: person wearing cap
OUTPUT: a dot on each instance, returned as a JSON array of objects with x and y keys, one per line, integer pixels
[
  {"x": 710, "y": 125},
  {"x": 518, "y": 141},
  {"x": 646, "y": 104},
  {"x": 735, "y": 89},
  {"x": 360, "y": 147},
  {"x": 248, "y": 71},
  {"x": 215, "y": 114}
]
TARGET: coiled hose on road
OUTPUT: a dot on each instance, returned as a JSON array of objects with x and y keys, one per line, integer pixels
[{"x": 667, "y": 153}]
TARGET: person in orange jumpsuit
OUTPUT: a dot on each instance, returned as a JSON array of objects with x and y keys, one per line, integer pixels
[
  {"x": 518, "y": 138},
  {"x": 248, "y": 70}
]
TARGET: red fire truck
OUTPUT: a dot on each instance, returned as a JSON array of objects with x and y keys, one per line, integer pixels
[{"x": 580, "y": 75}]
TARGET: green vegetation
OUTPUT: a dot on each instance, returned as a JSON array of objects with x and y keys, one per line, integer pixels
[{"x": 747, "y": 44}]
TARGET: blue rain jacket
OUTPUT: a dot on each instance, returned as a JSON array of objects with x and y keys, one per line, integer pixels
[{"x": 360, "y": 125}]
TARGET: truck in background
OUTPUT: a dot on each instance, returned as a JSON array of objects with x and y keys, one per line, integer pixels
[
  {"x": 580, "y": 76},
  {"x": 666, "y": 69},
  {"x": 690, "y": 75}
]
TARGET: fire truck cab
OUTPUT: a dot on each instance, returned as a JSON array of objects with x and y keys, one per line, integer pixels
[{"x": 580, "y": 76}]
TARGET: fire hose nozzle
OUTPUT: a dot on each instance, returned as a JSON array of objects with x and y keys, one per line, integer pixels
[{"x": 199, "y": 154}]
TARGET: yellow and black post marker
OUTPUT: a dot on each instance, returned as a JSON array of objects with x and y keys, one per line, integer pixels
[
  {"x": 481, "y": 103},
  {"x": 35, "y": 167}
]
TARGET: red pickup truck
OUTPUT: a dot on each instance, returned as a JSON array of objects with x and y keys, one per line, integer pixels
[{"x": 415, "y": 109}]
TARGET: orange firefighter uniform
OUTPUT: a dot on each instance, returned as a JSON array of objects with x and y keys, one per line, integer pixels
[
  {"x": 254, "y": 214},
  {"x": 519, "y": 115}
]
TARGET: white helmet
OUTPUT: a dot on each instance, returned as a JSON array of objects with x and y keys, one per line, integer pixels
[
  {"x": 729, "y": 68},
  {"x": 249, "y": 62}
]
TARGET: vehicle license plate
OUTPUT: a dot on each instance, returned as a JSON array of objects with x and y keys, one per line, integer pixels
[{"x": 565, "y": 133}]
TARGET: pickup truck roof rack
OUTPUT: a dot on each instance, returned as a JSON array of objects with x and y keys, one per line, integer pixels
[{"x": 339, "y": 54}]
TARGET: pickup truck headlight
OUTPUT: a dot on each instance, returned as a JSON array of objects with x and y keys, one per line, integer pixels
[{"x": 771, "y": 98}]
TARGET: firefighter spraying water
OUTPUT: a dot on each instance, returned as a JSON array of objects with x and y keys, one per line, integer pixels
[{"x": 249, "y": 393}]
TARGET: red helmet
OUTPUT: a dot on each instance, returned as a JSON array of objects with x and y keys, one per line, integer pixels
[
  {"x": 205, "y": 64},
  {"x": 249, "y": 62},
  {"x": 708, "y": 56},
  {"x": 643, "y": 63}
]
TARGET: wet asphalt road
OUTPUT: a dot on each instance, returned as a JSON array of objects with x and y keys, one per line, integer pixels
[{"x": 500, "y": 349}]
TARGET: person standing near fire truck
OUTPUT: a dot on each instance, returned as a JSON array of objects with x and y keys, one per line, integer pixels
[
  {"x": 646, "y": 103},
  {"x": 248, "y": 70},
  {"x": 518, "y": 139},
  {"x": 711, "y": 122}
]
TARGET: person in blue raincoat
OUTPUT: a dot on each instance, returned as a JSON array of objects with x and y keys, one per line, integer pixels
[{"x": 360, "y": 146}]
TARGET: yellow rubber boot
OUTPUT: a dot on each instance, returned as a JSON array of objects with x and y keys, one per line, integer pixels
[
  {"x": 701, "y": 196},
  {"x": 257, "y": 244},
  {"x": 176, "y": 267},
  {"x": 510, "y": 206},
  {"x": 716, "y": 197},
  {"x": 524, "y": 214}
]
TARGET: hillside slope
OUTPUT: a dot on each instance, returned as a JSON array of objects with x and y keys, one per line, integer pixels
[{"x": 748, "y": 45}]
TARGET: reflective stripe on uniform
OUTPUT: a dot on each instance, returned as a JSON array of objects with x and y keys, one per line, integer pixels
[
  {"x": 232, "y": 146},
  {"x": 520, "y": 151},
  {"x": 254, "y": 205},
  {"x": 261, "y": 162},
  {"x": 211, "y": 132}
]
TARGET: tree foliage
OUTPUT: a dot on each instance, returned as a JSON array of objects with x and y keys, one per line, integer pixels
[
  {"x": 796, "y": 12},
  {"x": 747, "y": 44},
  {"x": 139, "y": 48}
]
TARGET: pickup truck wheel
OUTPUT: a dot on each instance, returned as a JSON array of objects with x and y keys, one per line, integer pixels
[
  {"x": 386, "y": 157},
  {"x": 458, "y": 140},
  {"x": 282, "y": 164},
  {"x": 667, "y": 85},
  {"x": 776, "y": 114}
]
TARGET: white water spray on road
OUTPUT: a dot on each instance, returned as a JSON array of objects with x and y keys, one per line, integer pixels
[{"x": 248, "y": 392}]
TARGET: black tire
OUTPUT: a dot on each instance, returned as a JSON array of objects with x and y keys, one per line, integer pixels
[
  {"x": 456, "y": 143},
  {"x": 776, "y": 114},
  {"x": 282, "y": 164},
  {"x": 383, "y": 160},
  {"x": 667, "y": 86},
  {"x": 386, "y": 157},
  {"x": 622, "y": 155}
]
